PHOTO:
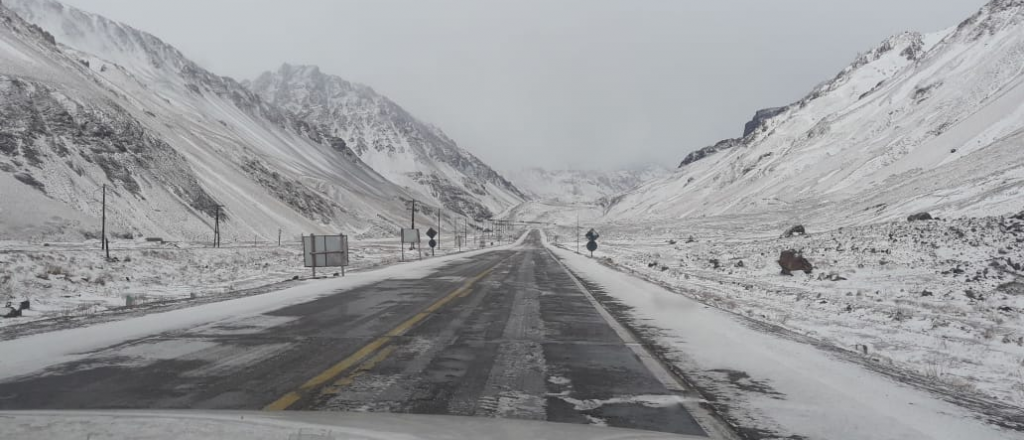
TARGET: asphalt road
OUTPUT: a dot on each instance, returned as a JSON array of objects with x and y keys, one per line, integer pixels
[{"x": 506, "y": 334}]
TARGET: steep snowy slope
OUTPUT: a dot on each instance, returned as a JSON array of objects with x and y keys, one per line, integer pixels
[
  {"x": 581, "y": 186},
  {"x": 394, "y": 143},
  {"x": 99, "y": 103},
  {"x": 922, "y": 122}
]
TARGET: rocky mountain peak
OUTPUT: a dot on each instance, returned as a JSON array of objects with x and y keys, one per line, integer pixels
[{"x": 389, "y": 139}]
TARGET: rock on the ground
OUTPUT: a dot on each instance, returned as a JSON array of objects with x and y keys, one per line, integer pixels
[
  {"x": 791, "y": 260},
  {"x": 921, "y": 216},
  {"x": 795, "y": 230}
]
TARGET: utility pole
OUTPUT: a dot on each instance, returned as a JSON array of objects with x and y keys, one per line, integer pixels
[
  {"x": 312, "y": 252},
  {"x": 278, "y": 237},
  {"x": 413, "y": 214},
  {"x": 103, "y": 228},
  {"x": 577, "y": 230},
  {"x": 438, "y": 228},
  {"x": 216, "y": 228}
]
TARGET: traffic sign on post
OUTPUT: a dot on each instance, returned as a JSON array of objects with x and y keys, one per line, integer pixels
[
  {"x": 592, "y": 237},
  {"x": 432, "y": 233}
]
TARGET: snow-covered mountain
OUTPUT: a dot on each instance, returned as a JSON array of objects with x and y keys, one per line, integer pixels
[
  {"x": 407, "y": 151},
  {"x": 922, "y": 122},
  {"x": 96, "y": 102},
  {"x": 580, "y": 186},
  {"x": 86, "y": 101}
]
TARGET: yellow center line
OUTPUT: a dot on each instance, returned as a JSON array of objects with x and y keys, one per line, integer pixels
[{"x": 335, "y": 370}]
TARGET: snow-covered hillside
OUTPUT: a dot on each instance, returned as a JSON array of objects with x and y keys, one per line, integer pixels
[
  {"x": 581, "y": 186},
  {"x": 923, "y": 122},
  {"x": 410, "y": 153},
  {"x": 87, "y": 101}
]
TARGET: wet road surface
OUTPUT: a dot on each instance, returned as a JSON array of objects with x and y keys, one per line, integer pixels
[{"x": 508, "y": 334}]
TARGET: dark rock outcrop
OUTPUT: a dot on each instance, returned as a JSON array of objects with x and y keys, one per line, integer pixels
[
  {"x": 921, "y": 216},
  {"x": 709, "y": 150},
  {"x": 795, "y": 230},
  {"x": 759, "y": 117},
  {"x": 791, "y": 260}
]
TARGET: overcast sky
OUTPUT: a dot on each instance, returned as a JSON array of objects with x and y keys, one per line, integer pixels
[{"x": 556, "y": 83}]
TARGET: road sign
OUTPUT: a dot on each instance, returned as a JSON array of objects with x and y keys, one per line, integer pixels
[
  {"x": 592, "y": 237},
  {"x": 325, "y": 251},
  {"x": 431, "y": 233},
  {"x": 410, "y": 235},
  {"x": 329, "y": 250},
  {"x": 432, "y": 243}
]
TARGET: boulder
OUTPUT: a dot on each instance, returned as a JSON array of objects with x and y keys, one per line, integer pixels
[
  {"x": 795, "y": 230},
  {"x": 791, "y": 260},
  {"x": 921, "y": 216}
]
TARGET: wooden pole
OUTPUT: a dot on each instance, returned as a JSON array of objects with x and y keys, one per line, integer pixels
[
  {"x": 216, "y": 228},
  {"x": 103, "y": 228},
  {"x": 414, "y": 214},
  {"x": 312, "y": 252}
]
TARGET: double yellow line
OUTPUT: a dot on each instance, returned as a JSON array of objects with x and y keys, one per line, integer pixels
[{"x": 287, "y": 400}]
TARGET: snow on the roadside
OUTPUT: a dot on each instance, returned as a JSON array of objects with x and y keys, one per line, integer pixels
[
  {"x": 74, "y": 279},
  {"x": 778, "y": 386},
  {"x": 936, "y": 299}
]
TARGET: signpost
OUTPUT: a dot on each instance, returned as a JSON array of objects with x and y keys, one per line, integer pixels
[
  {"x": 410, "y": 236},
  {"x": 325, "y": 251},
  {"x": 431, "y": 233},
  {"x": 592, "y": 237}
]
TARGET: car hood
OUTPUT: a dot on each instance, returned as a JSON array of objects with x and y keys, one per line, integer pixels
[{"x": 290, "y": 425}]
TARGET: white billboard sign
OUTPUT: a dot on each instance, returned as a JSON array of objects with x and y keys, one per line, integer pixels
[
  {"x": 325, "y": 250},
  {"x": 410, "y": 235}
]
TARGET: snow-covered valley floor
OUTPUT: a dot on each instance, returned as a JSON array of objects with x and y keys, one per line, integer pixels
[{"x": 938, "y": 302}]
